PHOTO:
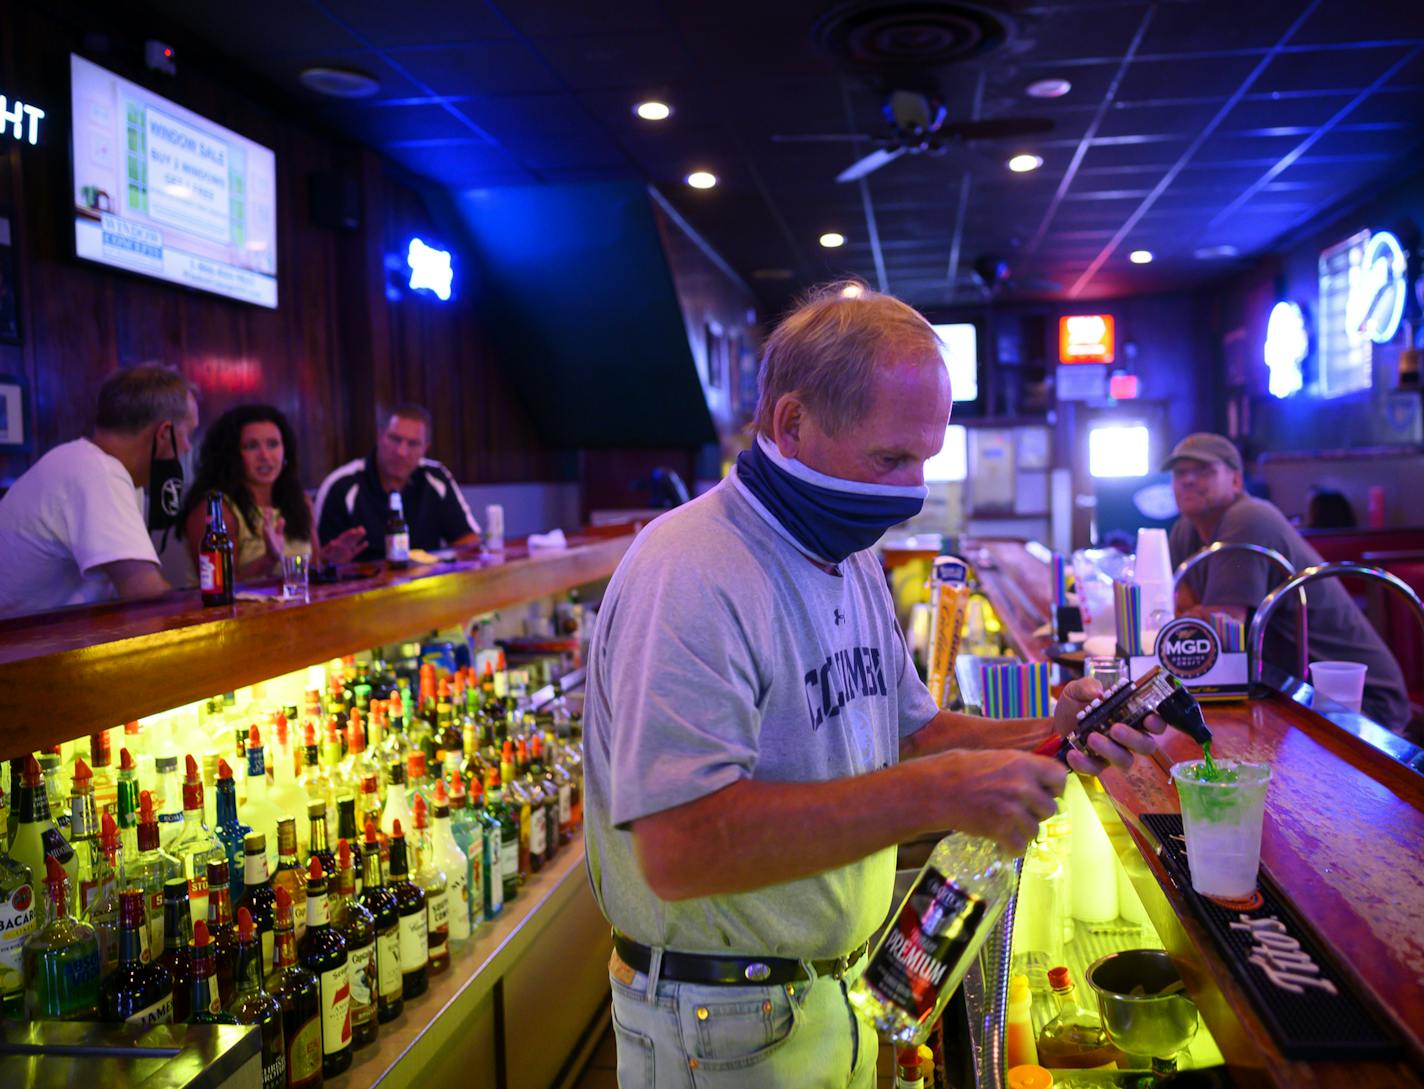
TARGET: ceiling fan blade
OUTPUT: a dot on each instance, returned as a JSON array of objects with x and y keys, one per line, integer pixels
[
  {"x": 999, "y": 128},
  {"x": 820, "y": 138},
  {"x": 869, "y": 164}
]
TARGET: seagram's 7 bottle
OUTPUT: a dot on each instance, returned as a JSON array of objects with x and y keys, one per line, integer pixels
[{"x": 935, "y": 936}]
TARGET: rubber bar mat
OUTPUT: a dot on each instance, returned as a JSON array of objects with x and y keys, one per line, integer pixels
[{"x": 1307, "y": 1005}]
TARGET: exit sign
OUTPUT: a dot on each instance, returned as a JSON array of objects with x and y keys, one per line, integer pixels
[{"x": 1085, "y": 338}]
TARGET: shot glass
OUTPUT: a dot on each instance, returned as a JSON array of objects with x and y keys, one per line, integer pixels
[
  {"x": 1222, "y": 818},
  {"x": 296, "y": 577},
  {"x": 1343, "y": 682},
  {"x": 1108, "y": 668}
]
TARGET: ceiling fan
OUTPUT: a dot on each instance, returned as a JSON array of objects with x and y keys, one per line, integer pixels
[{"x": 918, "y": 124}]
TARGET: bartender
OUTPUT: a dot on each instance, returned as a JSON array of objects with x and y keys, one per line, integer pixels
[{"x": 1207, "y": 479}]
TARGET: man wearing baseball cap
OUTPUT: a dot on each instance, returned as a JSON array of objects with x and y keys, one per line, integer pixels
[{"x": 1207, "y": 477}]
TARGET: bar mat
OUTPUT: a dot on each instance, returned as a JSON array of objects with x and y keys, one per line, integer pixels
[{"x": 1307, "y": 1005}]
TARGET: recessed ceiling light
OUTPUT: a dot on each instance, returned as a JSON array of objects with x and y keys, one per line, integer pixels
[
  {"x": 339, "y": 82},
  {"x": 1213, "y": 253},
  {"x": 1140, "y": 257},
  {"x": 1022, "y": 164},
  {"x": 702, "y": 179},
  {"x": 653, "y": 110},
  {"x": 832, "y": 240},
  {"x": 1049, "y": 88}
]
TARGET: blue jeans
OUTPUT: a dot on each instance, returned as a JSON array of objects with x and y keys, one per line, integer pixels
[{"x": 688, "y": 1036}]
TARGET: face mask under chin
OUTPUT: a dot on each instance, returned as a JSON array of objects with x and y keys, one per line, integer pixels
[{"x": 165, "y": 487}]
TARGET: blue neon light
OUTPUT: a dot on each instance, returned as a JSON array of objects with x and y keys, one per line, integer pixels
[
  {"x": 430, "y": 269},
  {"x": 1287, "y": 345}
]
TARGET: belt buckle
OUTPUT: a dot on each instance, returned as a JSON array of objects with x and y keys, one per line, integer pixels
[{"x": 839, "y": 971}]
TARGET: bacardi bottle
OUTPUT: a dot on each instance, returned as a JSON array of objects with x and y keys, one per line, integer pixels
[
  {"x": 140, "y": 990},
  {"x": 252, "y": 1005},
  {"x": 17, "y": 920},
  {"x": 381, "y": 903},
  {"x": 323, "y": 953},
  {"x": 935, "y": 936}
]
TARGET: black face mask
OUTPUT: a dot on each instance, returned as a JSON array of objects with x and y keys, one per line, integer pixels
[{"x": 165, "y": 489}]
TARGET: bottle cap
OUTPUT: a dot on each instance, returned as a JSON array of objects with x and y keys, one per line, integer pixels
[
  {"x": 126, "y": 760},
  {"x": 908, "y": 1060},
  {"x": 284, "y": 899},
  {"x": 441, "y": 798},
  {"x": 369, "y": 785},
  {"x": 371, "y": 832},
  {"x": 224, "y": 772},
  {"x": 218, "y": 873},
  {"x": 192, "y": 770},
  {"x": 396, "y": 832},
  {"x": 175, "y": 889},
  {"x": 83, "y": 777},
  {"x": 316, "y": 808},
  {"x": 254, "y": 737},
  {"x": 1058, "y": 978},
  {"x": 54, "y": 871},
  {"x": 130, "y": 909},
  {"x": 145, "y": 808},
  {"x": 314, "y": 870},
  {"x": 309, "y": 734},
  {"x": 200, "y": 933},
  {"x": 420, "y": 812},
  {"x": 108, "y": 831},
  {"x": 165, "y": 764},
  {"x": 131, "y": 729},
  {"x": 254, "y": 843},
  {"x": 246, "y": 928},
  {"x": 33, "y": 776}
]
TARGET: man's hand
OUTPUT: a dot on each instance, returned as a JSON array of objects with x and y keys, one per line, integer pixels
[
  {"x": 997, "y": 793},
  {"x": 344, "y": 547},
  {"x": 1117, "y": 746}
]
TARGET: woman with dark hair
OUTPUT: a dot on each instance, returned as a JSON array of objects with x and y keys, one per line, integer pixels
[{"x": 249, "y": 457}]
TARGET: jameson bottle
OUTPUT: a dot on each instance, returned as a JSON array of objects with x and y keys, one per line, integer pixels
[
  {"x": 177, "y": 940},
  {"x": 205, "y": 1004},
  {"x": 397, "y": 534},
  {"x": 323, "y": 953},
  {"x": 381, "y": 903},
  {"x": 215, "y": 557},
  {"x": 140, "y": 990},
  {"x": 938, "y": 931},
  {"x": 61, "y": 959},
  {"x": 300, "y": 995},
  {"x": 410, "y": 908},
  {"x": 260, "y": 901},
  {"x": 358, "y": 926},
  {"x": 252, "y": 1005}
]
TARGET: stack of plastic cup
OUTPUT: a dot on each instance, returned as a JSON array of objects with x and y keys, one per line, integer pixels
[{"x": 1153, "y": 572}]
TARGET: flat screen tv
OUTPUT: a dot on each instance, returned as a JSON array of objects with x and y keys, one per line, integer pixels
[
  {"x": 959, "y": 345},
  {"x": 161, "y": 191}
]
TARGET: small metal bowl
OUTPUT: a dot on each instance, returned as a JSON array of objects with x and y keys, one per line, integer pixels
[{"x": 1151, "y": 1024}]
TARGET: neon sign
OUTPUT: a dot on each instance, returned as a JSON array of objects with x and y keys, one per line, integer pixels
[
  {"x": 430, "y": 269},
  {"x": 1085, "y": 338},
  {"x": 14, "y": 114},
  {"x": 1287, "y": 345},
  {"x": 1376, "y": 301}
]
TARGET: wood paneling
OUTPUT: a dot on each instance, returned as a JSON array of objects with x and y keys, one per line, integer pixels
[{"x": 336, "y": 348}]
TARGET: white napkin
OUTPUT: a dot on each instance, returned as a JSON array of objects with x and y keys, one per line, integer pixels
[{"x": 553, "y": 539}]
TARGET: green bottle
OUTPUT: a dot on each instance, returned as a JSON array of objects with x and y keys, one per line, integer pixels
[{"x": 61, "y": 960}]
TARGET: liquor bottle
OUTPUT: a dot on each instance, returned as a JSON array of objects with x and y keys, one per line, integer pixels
[
  {"x": 287, "y": 795},
  {"x": 56, "y": 778},
  {"x": 346, "y": 829},
  {"x": 447, "y": 730},
  {"x": 516, "y": 799},
  {"x": 358, "y": 926},
  {"x": 139, "y": 991},
  {"x": 448, "y": 857},
  {"x": 252, "y": 1005},
  {"x": 1075, "y": 1037},
  {"x": 431, "y": 878},
  {"x": 101, "y": 766},
  {"x": 61, "y": 959},
  {"x": 196, "y": 845},
  {"x": 381, "y": 903},
  {"x": 939, "y": 928},
  {"x": 323, "y": 953},
  {"x": 538, "y": 810},
  {"x": 539, "y": 776},
  {"x": 397, "y": 809},
  {"x": 358, "y": 762},
  {"x": 508, "y": 821},
  {"x": 316, "y": 836},
  {"x": 395, "y": 747},
  {"x": 151, "y": 870},
  {"x": 414, "y": 927},
  {"x": 467, "y": 833},
  {"x": 290, "y": 874},
  {"x": 169, "y": 800},
  {"x": 418, "y": 783},
  {"x": 259, "y": 812},
  {"x": 222, "y": 929},
  {"x": 313, "y": 779},
  {"x": 473, "y": 765},
  {"x": 300, "y": 996},
  {"x": 370, "y": 811},
  {"x": 36, "y": 837},
  {"x": 230, "y": 831},
  {"x": 397, "y": 534},
  {"x": 333, "y": 778},
  {"x": 103, "y": 909},
  {"x": 17, "y": 920},
  {"x": 205, "y": 1005},
  {"x": 127, "y": 790},
  {"x": 84, "y": 838},
  {"x": 564, "y": 785},
  {"x": 489, "y": 846},
  {"x": 260, "y": 900},
  {"x": 177, "y": 938},
  {"x": 215, "y": 578}
]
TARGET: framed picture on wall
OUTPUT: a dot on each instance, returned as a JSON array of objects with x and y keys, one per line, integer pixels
[
  {"x": 14, "y": 421},
  {"x": 9, "y": 286}
]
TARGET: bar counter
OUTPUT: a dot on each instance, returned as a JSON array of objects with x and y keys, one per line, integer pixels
[
  {"x": 72, "y": 672},
  {"x": 1343, "y": 839}
]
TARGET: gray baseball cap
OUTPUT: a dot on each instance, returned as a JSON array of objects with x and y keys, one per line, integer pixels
[{"x": 1208, "y": 447}]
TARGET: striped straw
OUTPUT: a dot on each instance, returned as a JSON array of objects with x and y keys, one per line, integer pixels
[
  {"x": 1060, "y": 580},
  {"x": 1016, "y": 690},
  {"x": 1127, "y": 601}
]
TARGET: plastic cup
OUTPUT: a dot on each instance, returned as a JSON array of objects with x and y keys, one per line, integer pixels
[
  {"x": 1222, "y": 819},
  {"x": 1154, "y": 559},
  {"x": 1343, "y": 682}
]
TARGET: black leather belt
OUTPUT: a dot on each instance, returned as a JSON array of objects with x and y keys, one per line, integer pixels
[{"x": 715, "y": 971}]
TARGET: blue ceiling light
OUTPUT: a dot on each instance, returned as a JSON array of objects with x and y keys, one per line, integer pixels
[
  {"x": 1287, "y": 345},
  {"x": 430, "y": 269}
]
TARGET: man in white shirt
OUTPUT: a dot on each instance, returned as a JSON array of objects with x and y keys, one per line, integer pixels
[{"x": 72, "y": 528}]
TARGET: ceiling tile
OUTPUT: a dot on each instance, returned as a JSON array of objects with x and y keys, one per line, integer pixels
[{"x": 477, "y": 68}]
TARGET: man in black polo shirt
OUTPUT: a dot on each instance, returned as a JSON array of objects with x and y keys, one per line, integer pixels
[{"x": 353, "y": 502}]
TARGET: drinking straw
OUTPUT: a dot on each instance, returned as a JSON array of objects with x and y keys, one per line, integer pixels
[
  {"x": 1060, "y": 580},
  {"x": 1127, "y": 600}
]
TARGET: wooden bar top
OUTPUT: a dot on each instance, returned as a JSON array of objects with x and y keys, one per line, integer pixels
[
  {"x": 1018, "y": 586},
  {"x": 72, "y": 672},
  {"x": 1344, "y": 840}
]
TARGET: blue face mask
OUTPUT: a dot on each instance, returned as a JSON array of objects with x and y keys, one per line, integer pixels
[{"x": 829, "y": 517}]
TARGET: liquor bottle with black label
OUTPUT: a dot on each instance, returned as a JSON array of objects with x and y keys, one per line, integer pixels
[
  {"x": 177, "y": 941},
  {"x": 397, "y": 534},
  {"x": 410, "y": 907},
  {"x": 140, "y": 990},
  {"x": 61, "y": 959},
  {"x": 323, "y": 953},
  {"x": 252, "y": 1005},
  {"x": 381, "y": 903},
  {"x": 300, "y": 995},
  {"x": 215, "y": 578},
  {"x": 205, "y": 1005},
  {"x": 358, "y": 926},
  {"x": 935, "y": 936}
]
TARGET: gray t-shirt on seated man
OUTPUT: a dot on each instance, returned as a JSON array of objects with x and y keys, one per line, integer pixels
[
  {"x": 721, "y": 653},
  {"x": 1337, "y": 630}
]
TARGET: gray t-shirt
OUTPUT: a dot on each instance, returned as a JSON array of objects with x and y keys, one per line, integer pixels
[
  {"x": 722, "y": 653},
  {"x": 1338, "y": 631}
]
